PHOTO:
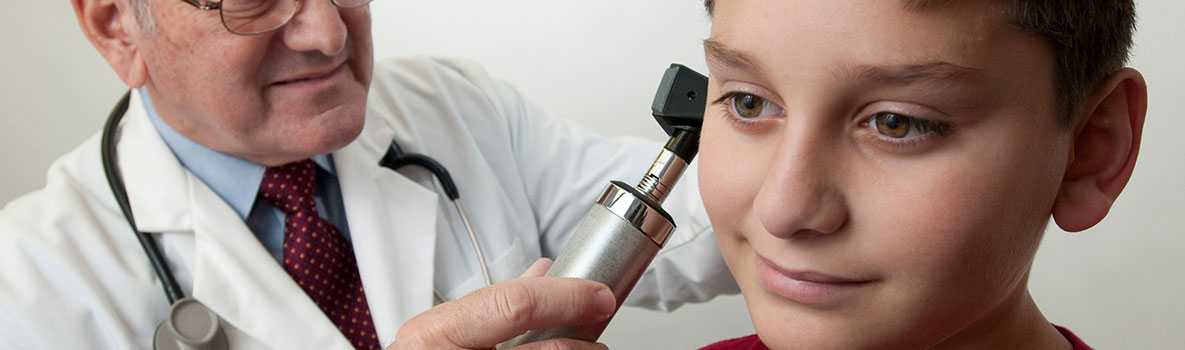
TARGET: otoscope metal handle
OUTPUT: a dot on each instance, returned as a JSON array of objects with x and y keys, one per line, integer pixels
[
  {"x": 613, "y": 244},
  {"x": 627, "y": 226}
]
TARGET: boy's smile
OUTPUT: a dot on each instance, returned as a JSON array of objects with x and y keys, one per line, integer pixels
[
  {"x": 809, "y": 287},
  {"x": 879, "y": 177}
]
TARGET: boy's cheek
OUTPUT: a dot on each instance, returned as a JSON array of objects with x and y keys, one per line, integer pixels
[
  {"x": 967, "y": 223},
  {"x": 730, "y": 174}
]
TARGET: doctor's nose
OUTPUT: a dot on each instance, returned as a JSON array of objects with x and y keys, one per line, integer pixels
[
  {"x": 799, "y": 197},
  {"x": 318, "y": 26}
]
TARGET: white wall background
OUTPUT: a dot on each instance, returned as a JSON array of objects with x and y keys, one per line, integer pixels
[{"x": 1119, "y": 285}]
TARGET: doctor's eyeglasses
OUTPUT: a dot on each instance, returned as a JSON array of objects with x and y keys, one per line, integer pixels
[{"x": 251, "y": 17}]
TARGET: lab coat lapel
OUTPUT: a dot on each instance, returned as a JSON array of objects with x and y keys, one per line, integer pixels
[
  {"x": 232, "y": 273},
  {"x": 237, "y": 278},
  {"x": 155, "y": 180},
  {"x": 392, "y": 224},
  {"x": 393, "y": 230}
]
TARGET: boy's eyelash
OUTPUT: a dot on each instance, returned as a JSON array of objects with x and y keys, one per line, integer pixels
[
  {"x": 928, "y": 127},
  {"x": 931, "y": 126},
  {"x": 725, "y": 97}
]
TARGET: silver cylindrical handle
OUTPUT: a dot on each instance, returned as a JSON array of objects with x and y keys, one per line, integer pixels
[
  {"x": 613, "y": 244},
  {"x": 662, "y": 175}
]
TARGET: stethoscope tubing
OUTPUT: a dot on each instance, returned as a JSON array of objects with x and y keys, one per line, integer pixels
[
  {"x": 481, "y": 257},
  {"x": 394, "y": 159},
  {"x": 115, "y": 180}
]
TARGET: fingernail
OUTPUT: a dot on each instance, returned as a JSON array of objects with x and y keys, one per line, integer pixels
[{"x": 607, "y": 302}]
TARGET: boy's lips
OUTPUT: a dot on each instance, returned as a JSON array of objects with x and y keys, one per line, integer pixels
[{"x": 806, "y": 286}]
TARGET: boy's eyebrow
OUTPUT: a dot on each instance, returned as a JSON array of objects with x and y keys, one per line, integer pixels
[
  {"x": 720, "y": 53},
  {"x": 912, "y": 73},
  {"x": 904, "y": 74}
]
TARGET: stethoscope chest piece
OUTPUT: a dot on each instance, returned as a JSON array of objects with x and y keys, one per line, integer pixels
[{"x": 190, "y": 326}]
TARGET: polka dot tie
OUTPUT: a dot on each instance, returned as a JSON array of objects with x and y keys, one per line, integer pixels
[{"x": 316, "y": 255}]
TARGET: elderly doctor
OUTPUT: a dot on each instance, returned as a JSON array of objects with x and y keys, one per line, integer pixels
[{"x": 250, "y": 150}]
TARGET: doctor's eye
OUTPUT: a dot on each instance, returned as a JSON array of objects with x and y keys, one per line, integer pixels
[{"x": 899, "y": 127}]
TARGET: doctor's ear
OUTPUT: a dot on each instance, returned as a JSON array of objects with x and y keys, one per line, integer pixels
[
  {"x": 1106, "y": 142},
  {"x": 110, "y": 25}
]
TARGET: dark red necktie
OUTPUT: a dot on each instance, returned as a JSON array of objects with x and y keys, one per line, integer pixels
[{"x": 316, "y": 255}]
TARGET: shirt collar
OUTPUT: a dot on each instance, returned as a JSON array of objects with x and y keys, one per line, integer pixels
[{"x": 235, "y": 180}]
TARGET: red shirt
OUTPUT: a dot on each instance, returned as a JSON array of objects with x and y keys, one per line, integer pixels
[{"x": 753, "y": 343}]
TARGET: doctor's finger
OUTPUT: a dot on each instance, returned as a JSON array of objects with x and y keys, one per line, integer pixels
[
  {"x": 537, "y": 269},
  {"x": 562, "y": 344},
  {"x": 495, "y": 314}
]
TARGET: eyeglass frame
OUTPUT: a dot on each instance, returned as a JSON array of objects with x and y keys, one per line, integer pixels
[{"x": 208, "y": 5}]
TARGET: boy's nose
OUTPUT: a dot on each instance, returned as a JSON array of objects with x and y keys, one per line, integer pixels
[
  {"x": 799, "y": 197},
  {"x": 318, "y": 26}
]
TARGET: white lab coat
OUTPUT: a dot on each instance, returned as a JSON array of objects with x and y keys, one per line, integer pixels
[{"x": 72, "y": 275}]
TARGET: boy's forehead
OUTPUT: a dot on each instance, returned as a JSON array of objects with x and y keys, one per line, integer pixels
[
  {"x": 814, "y": 48},
  {"x": 966, "y": 33},
  {"x": 908, "y": 4},
  {"x": 924, "y": 4}
]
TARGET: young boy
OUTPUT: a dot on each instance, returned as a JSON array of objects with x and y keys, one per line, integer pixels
[{"x": 879, "y": 173}]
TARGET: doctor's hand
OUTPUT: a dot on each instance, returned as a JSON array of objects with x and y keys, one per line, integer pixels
[{"x": 492, "y": 315}]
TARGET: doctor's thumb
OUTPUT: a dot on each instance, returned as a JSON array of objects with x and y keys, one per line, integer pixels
[{"x": 492, "y": 315}]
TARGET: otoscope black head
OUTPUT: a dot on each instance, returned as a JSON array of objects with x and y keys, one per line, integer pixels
[{"x": 679, "y": 108}]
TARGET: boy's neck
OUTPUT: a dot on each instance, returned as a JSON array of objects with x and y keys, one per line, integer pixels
[{"x": 1017, "y": 323}]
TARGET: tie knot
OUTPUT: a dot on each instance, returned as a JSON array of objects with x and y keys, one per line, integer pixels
[{"x": 290, "y": 186}]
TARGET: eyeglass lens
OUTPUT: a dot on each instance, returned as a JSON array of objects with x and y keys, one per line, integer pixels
[{"x": 259, "y": 16}]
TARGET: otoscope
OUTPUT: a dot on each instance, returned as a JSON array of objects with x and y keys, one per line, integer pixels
[{"x": 627, "y": 226}]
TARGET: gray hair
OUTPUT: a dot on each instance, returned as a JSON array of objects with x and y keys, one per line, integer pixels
[{"x": 143, "y": 15}]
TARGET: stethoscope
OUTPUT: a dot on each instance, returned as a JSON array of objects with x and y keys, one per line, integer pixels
[{"x": 191, "y": 325}]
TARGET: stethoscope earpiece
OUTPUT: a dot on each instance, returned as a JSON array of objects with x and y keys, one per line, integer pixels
[{"x": 190, "y": 326}]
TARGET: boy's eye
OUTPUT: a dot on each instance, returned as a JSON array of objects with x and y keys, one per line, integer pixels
[
  {"x": 892, "y": 125},
  {"x": 749, "y": 106}
]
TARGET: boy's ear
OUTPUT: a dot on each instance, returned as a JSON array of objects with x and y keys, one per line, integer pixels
[
  {"x": 1106, "y": 142},
  {"x": 108, "y": 27}
]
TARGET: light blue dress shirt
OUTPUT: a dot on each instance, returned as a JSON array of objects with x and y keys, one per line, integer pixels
[{"x": 237, "y": 182}]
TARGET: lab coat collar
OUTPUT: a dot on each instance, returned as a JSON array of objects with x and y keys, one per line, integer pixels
[
  {"x": 235, "y": 180},
  {"x": 392, "y": 223},
  {"x": 157, "y": 184},
  {"x": 232, "y": 273},
  {"x": 393, "y": 229}
]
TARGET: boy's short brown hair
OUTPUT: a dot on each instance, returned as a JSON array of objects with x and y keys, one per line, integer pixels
[{"x": 1091, "y": 39}]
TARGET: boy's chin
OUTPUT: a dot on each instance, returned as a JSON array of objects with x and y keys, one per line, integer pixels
[{"x": 783, "y": 325}]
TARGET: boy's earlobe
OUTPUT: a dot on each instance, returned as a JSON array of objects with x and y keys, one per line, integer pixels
[{"x": 1106, "y": 143}]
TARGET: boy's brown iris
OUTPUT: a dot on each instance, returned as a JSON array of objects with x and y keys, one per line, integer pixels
[
  {"x": 892, "y": 125},
  {"x": 748, "y": 106}
]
